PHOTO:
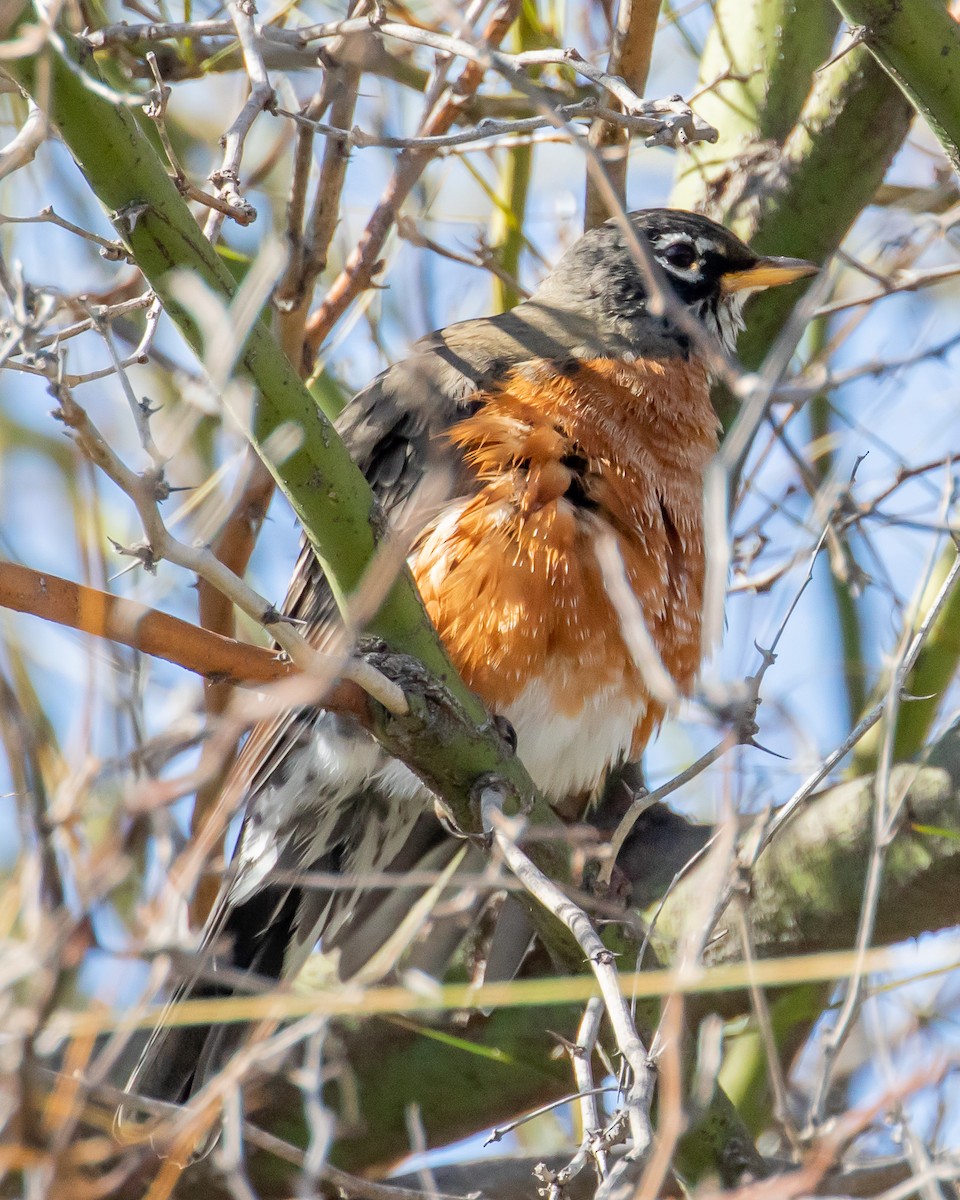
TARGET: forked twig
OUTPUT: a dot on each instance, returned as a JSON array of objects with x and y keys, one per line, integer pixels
[{"x": 639, "y": 1093}]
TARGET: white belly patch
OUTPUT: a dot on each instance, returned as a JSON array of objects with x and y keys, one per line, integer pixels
[{"x": 568, "y": 755}]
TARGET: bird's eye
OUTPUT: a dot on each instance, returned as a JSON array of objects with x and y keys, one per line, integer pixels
[{"x": 681, "y": 255}]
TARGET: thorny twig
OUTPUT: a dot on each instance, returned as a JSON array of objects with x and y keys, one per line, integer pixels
[
  {"x": 741, "y": 717},
  {"x": 110, "y": 250},
  {"x": 639, "y": 1092},
  {"x": 155, "y": 109},
  {"x": 886, "y": 820},
  {"x": 226, "y": 179},
  {"x": 500, "y": 1132},
  {"x": 147, "y": 491},
  {"x": 595, "y": 1140}
]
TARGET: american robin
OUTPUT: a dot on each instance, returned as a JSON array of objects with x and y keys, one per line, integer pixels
[{"x": 576, "y": 416}]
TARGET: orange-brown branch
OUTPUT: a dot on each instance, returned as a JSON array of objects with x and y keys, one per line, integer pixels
[{"x": 136, "y": 625}]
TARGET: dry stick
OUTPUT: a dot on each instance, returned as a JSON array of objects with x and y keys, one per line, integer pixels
[
  {"x": 500, "y": 1131},
  {"x": 827, "y": 1149},
  {"x": 816, "y": 380},
  {"x": 640, "y": 805},
  {"x": 630, "y": 52},
  {"x": 677, "y": 122},
  {"x": 885, "y": 822},
  {"x": 359, "y": 270},
  {"x": 770, "y": 827},
  {"x": 139, "y": 409},
  {"x": 102, "y": 314},
  {"x": 229, "y": 1154},
  {"x": 342, "y": 82},
  {"x": 285, "y": 293},
  {"x": 905, "y": 281},
  {"x": 756, "y": 394},
  {"x": 143, "y": 491},
  {"x": 189, "y": 1125},
  {"x": 592, "y": 1146},
  {"x": 226, "y": 179},
  {"x": 639, "y": 1095},
  {"x": 490, "y": 127},
  {"x": 311, "y": 1079},
  {"x": 482, "y": 260},
  {"x": 802, "y": 794},
  {"x": 761, "y": 1014},
  {"x": 161, "y": 31},
  {"x": 670, "y": 1032},
  {"x": 418, "y": 1145},
  {"x": 74, "y": 381},
  {"x": 111, "y": 250},
  {"x": 667, "y": 1046},
  {"x": 486, "y": 57},
  {"x": 156, "y": 109},
  {"x": 233, "y": 547},
  {"x": 916, "y": 1152},
  {"x": 743, "y": 732},
  {"x": 339, "y": 1181},
  {"x": 106, "y": 1096}
]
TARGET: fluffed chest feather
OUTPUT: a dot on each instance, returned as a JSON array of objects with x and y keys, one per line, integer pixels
[{"x": 511, "y": 574}]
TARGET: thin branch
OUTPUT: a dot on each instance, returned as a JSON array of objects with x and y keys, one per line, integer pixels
[
  {"x": 359, "y": 270},
  {"x": 639, "y": 1095},
  {"x": 111, "y": 250},
  {"x": 786, "y": 812},
  {"x": 631, "y": 50},
  {"x": 884, "y": 827},
  {"x": 158, "y": 634},
  {"x": 594, "y": 1145},
  {"x": 226, "y": 179},
  {"x": 145, "y": 491},
  {"x": 22, "y": 148}
]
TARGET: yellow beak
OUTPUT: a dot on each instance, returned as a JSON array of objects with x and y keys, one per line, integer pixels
[{"x": 767, "y": 273}]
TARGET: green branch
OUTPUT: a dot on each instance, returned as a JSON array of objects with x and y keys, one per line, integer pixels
[
  {"x": 802, "y": 198},
  {"x": 757, "y": 64},
  {"x": 918, "y": 44}
]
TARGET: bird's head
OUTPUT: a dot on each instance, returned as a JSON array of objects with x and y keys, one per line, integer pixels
[{"x": 709, "y": 270}]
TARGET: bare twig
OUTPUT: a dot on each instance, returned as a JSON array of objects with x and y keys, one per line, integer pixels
[
  {"x": 146, "y": 491},
  {"x": 22, "y": 148},
  {"x": 639, "y": 1093},
  {"x": 630, "y": 52},
  {"x": 594, "y": 1145},
  {"x": 886, "y": 819},
  {"x": 226, "y": 179},
  {"x": 110, "y": 249},
  {"x": 361, "y": 265}
]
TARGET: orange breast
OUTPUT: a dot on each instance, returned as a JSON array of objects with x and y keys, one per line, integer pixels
[{"x": 510, "y": 575}]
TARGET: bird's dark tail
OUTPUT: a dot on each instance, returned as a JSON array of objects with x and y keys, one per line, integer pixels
[
  {"x": 251, "y": 945},
  {"x": 246, "y": 954}
]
